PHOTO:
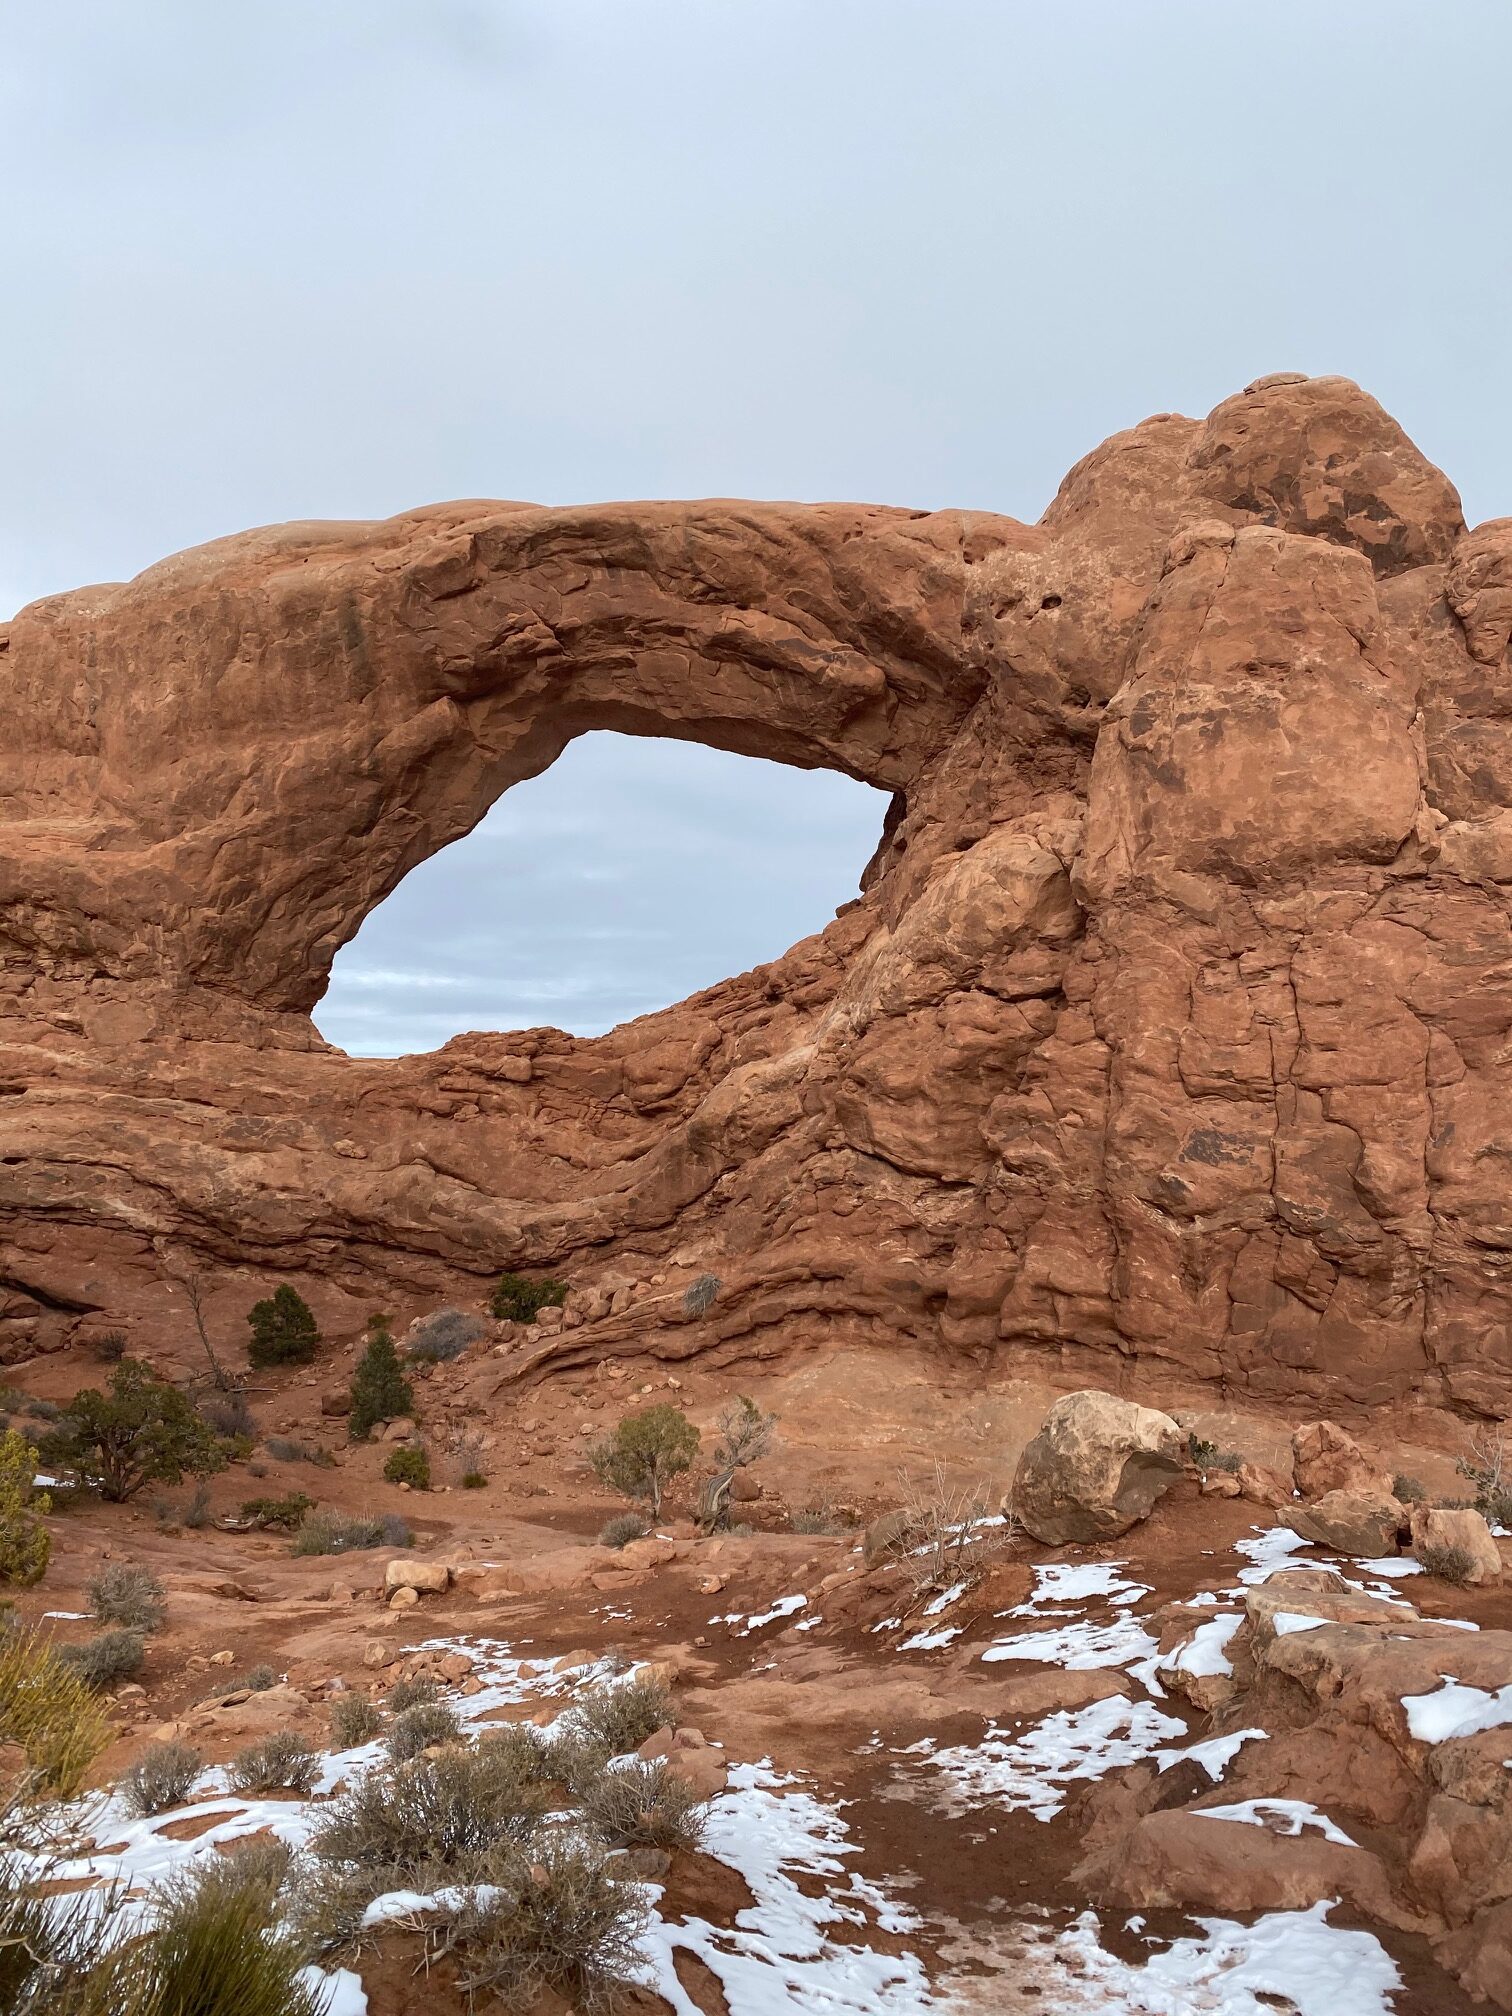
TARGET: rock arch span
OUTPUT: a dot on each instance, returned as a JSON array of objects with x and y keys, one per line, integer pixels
[{"x": 1169, "y": 1029}]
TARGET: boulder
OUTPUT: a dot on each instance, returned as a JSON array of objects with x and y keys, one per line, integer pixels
[
  {"x": 429, "y": 1578},
  {"x": 1435, "y": 1532},
  {"x": 1364, "y": 1523},
  {"x": 884, "y": 1535},
  {"x": 1095, "y": 1469},
  {"x": 1325, "y": 1459}
]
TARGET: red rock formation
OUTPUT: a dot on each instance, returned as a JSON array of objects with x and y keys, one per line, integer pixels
[{"x": 1172, "y": 1023}]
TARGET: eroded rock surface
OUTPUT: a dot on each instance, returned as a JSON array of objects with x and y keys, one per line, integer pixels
[{"x": 1170, "y": 1026}]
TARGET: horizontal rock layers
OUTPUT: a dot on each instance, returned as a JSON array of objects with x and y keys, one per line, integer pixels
[{"x": 1171, "y": 1025}]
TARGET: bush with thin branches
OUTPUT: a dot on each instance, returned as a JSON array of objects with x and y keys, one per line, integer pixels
[
  {"x": 282, "y": 1762},
  {"x": 426, "y": 1726},
  {"x": 948, "y": 1538},
  {"x": 161, "y": 1778},
  {"x": 123, "y": 1594},
  {"x": 561, "y": 1919},
  {"x": 642, "y": 1804},
  {"x": 107, "y": 1660},
  {"x": 354, "y": 1721}
]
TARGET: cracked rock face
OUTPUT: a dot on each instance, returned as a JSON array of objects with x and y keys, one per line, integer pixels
[{"x": 1171, "y": 1024}]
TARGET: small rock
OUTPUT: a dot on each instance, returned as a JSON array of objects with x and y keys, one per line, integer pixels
[
  {"x": 223, "y": 1658},
  {"x": 377, "y": 1654},
  {"x": 402, "y": 1430},
  {"x": 404, "y": 1599}
]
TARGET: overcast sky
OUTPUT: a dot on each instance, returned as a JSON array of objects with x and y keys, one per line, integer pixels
[{"x": 312, "y": 258}]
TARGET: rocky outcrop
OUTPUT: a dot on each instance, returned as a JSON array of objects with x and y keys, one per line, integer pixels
[
  {"x": 1095, "y": 1469},
  {"x": 1169, "y": 1029}
]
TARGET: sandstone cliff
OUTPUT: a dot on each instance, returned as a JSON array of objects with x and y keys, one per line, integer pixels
[{"x": 1171, "y": 1026}]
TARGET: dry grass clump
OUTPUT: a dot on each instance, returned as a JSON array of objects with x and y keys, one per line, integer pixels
[
  {"x": 644, "y": 1805},
  {"x": 561, "y": 1919},
  {"x": 326, "y": 1532},
  {"x": 1449, "y": 1563},
  {"x": 623, "y": 1713},
  {"x": 419, "y": 1692},
  {"x": 426, "y": 1726},
  {"x": 126, "y": 1595},
  {"x": 161, "y": 1778},
  {"x": 622, "y": 1529},
  {"x": 105, "y": 1661},
  {"x": 354, "y": 1720},
  {"x": 282, "y": 1762}
]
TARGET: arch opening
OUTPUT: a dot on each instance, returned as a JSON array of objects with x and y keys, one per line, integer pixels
[{"x": 631, "y": 873}]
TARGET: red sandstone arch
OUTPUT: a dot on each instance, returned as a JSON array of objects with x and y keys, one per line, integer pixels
[{"x": 1174, "y": 1022}]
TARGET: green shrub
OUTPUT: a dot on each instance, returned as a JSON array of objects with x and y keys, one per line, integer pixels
[
  {"x": 517, "y": 1300},
  {"x": 622, "y": 1529},
  {"x": 408, "y": 1464},
  {"x": 284, "y": 1330},
  {"x": 161, "y": 1778},
  {"x": 287, "y": 1513},
  {"x": 25, "y": 1544},
  {"x": 416, "y": 1693},
  {"x": 196, "y": 1513},
  {"x": 143, "y": 1431},
  {"x": 282, "y": 1762},
  {"x": 644, "y": 1805},
  {"x": 257, "y": 1679},
  {"x": 559, "y": 1919},
  {"x": 425, "y": 1726},
  {"x": 354, "y": 1721},
  {"x": 104, "y": 1661},
  {"x": 646, "y": 1451},
  {"x": 1407, "y": 1490},
  {"x": 327, "y": 1532},
  {"x": 217, "y": 1945},
  {"x": 109, "y": 1347},
  {"x": 48, "y": 1711},
  {"x": 819, "y": 1520},
  {"x": 380, "y": 1391},
  {"x": 473, "y": 1480}
]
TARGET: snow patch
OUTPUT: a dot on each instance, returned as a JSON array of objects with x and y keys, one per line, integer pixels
[
  {"x": 1452, "y": 1710},
  {"x": 1030, "y": 1772},
  {"x": 1278, "y": 1816}
]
